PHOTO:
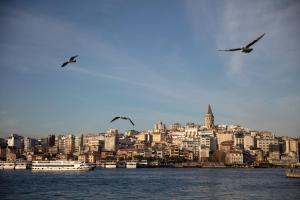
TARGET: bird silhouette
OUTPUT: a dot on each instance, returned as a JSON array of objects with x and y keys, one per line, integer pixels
[
  {"x": 71, "y": 60},
  {"x": 121, "y": 117},
  {"x": 245, "y": 49}
]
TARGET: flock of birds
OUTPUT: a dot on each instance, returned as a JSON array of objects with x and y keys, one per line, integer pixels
[{"x": 243, "y": 49}]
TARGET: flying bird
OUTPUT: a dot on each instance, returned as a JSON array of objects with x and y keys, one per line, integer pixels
[
  {"x": 245, "y": 49},
  {"x": 119, "y": 117},
  {"x": 71, "y": 60}
]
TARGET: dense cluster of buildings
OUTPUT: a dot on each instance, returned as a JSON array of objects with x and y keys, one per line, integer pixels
[{"x": 228, "y": 144}]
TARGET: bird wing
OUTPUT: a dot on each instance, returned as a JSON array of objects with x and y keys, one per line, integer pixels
[
  {"x": 236, "y": 49},
  {"x": 254, "y": 41},
  {"x": 114, "y": 119},
  {"x": 73, "y": 57},
  {"x": 130, "y": 121},
  {"x": 63, "y": 65}
]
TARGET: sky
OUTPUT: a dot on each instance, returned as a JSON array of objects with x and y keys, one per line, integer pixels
[{"x": 149, "y": 60}]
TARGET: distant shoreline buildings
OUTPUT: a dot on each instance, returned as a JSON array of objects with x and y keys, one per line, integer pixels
[{"x": 208, "y": 143}]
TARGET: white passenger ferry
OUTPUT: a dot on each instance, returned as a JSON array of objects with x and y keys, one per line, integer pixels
[
  {"x": 131, "y": 164},
  {"x": 61, "y": 165},
  {"x": 8, "y": 165},
  {"x": 111, "y": 165},
  {"x": 21, "y": 165},
  {"x": 14, "y": 165}
]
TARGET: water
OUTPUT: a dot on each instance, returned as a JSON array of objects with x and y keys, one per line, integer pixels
[{"x": 165, "y": 183}]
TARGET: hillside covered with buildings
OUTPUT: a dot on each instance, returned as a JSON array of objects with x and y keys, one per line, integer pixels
[{"x": 230, "y": 145}]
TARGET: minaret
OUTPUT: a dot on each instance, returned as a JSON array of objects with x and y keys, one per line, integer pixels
[{"x": 209, "y": 118}]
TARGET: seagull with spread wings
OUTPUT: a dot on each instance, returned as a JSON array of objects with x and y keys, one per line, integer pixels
[
  {"x": 71, "y": 60},
  {"x": 245, "y": 49},
  {"x": 121, "y": 117}
]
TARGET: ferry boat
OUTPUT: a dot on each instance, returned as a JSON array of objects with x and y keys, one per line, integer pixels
[
  {"x": 110, "y": 165},
  {"x": 131, "y": 164},
  {"x": 21, "y": 165},
  {"x": 14, "y": 165},
  {"x": 8, "y": 165},
  {"x": 293, "y": 173},
  {"x": 60, "y": 165}
]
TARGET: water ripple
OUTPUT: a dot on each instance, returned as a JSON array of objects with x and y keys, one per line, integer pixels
[{"x": 150, "y": 184}]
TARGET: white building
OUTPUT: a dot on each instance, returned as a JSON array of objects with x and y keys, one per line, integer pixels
[
  {"x": 61, "y": 143},
  {"x": 78, "y": 144},
  {"x": 266, "y": 144},
  {"x": 204, "y": 154},
  {"x": 93, "y": 142},
  {"x": 265, "y": 135},
  {"x": 69, "y": 144},
  {"x": 176, "y": 127},
  {"x": 110, "y": 141},
  {"x": 191, "y": 131},
  {"x": 222, "y": 137},
  {"x": 208, "y": 141},
  {"x": 210, "y": 133},
  {"x": 177, "y": 137},
  {"x": 238, "y": 139},
  {"x": 159, "y": 127},
  {"x": 234, "y": 157},
  {"x": 14, "y": 140},
  {"x": 29, "y": 144},
  {"x": 248, "y": 142}
]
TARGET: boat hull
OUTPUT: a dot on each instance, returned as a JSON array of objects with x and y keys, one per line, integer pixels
[
  {"x": 293, "y": 173},
  {"x": 20, "y": 167},
  {"x": 110, "y": 165}
]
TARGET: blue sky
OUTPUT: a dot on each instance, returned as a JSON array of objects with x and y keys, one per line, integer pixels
[{"x": 150, "y": 60}]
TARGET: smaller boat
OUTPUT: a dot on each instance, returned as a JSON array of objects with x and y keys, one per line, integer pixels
[
  {"x": 8, "y": 165},
  {"x": 111, "y": 165},
  {"x": 293, "y": 173},
  {"x": 21, "y": 165},
  {"x": 131, "y": 164}
]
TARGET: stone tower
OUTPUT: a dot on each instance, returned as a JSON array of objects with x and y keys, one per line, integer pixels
[{"x": 209, "y": 118}]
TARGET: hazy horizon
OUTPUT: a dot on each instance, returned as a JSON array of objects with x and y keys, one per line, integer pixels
[{"x": 149, "y": 60}]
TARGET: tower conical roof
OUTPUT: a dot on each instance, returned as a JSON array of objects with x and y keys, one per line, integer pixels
[{"x": 209, "y": 111}]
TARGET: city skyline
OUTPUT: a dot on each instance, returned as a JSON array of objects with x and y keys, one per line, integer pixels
[
  {"x": 152, "y": 61},
  {"x": 208, "y": 125}
]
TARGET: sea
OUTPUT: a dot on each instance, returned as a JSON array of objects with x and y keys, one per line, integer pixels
[{"x": 150, "y": 183}]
